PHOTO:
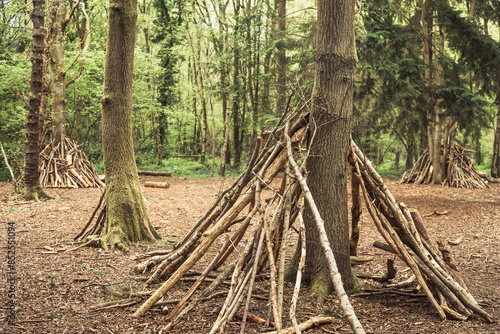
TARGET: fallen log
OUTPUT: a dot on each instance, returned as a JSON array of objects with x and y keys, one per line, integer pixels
[
  {"x": 156, "y": 184},
  {"x": 153, "y": 173}
]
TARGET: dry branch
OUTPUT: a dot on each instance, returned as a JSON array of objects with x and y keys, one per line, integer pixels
[
  {"x": 325, "y": 244},
  {"x": 316, "y": 321},
  {"x": 7, "y": 163}
]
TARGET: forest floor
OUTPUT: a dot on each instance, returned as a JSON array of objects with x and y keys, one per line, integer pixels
[{"x": 55, "y": 292}]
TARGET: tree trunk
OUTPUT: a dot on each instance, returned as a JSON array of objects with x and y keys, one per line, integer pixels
[
  {"x": 495, "y": 163},
  {"x": 201, "y": 90},
  {"x": 281, "y": 90},
  {"x": 57, "y": 69},
  {"x": 425, "y": 22},
  {"x": 126, "y": 217},
  {"x": 438, "y": 175},
  {"x": 78, "y": 119},
  {"x": 237, "y": 89},
  {"x": 331, "y": 122},
  {"x": 226, "y": 96},
  {"x": 33, "y": 189}
]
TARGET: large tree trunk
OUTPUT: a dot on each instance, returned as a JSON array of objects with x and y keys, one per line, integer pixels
[
  {"x": 127, "y": 220},
  {"x": 331, "y": 123},
  {"x": 33, "y": 189}
]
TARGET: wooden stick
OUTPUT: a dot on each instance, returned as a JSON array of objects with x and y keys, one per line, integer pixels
[
  {"x": 298, "y": 279},
  {"x": 284, "y": 240},
  {"x": 355, "y": 214},
  {"x": 316, "y": 321},
  {"x": 272, "y": 267},
  {"x": 7, "y": 163},
  {"x": 332, "y": 264}
]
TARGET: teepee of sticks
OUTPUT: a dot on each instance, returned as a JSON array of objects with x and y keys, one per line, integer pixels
[
  {"x": 261, "y": 216},
  {"x": 66, "y": 166},
  {"x": 458, "y": 171}
]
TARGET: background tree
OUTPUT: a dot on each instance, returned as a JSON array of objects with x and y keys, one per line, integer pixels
[
  {"x": 330, "y": 121},
  {"x": 56, "y": 37},
  {"x": 126, "y": 216}
]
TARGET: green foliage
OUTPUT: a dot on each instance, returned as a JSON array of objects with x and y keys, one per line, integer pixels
[{"x": 389, "y": 114}]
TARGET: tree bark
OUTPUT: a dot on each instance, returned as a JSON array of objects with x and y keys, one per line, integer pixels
[
  {"x": 33, "y": 189},
  {"x": 227, "y": 88},
  {"x": 439, "y": 175},
  {"x": 58, "y": 71},
  {"x": 495, "y": 163},
  {"x": 281, "y": 57},
  {"x": 336, "y": 63},
  {"x": 127, "y": 220},
  {"x": 201, "y": 90},
  {"x": 426, "y": 22}
]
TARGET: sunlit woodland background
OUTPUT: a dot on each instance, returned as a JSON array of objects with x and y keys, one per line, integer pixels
[{"x": 204, "y": 68}]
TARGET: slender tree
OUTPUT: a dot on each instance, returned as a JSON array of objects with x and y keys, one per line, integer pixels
[
  {"x": 336, "y": 63},
  {"x": 56, "y": 37},
  {"x": 281, "y": 90},
  {"x": 226, "y": 83},
  {"x": 33, "y": 190},
  {"x": 127, "y": 220}
]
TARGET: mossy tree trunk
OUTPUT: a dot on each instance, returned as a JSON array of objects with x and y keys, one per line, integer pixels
[
  {"x": 336, "y": 63},
  {"x": 33, "y": 189},
  {"x": 127, "y": 219}
]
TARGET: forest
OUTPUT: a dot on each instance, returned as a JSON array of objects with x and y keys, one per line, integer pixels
[
  {"x": 211, "y": 76},
  {"x": 300, "y": 115}
]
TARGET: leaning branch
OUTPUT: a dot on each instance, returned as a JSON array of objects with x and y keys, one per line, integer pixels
[{"x": 332, "y": 264}]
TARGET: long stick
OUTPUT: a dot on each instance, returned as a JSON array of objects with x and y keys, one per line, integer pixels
[
  {"x": 302, "y": 262},
  {"x": 332, "y": 264},
  {"x": 284, "y": 240},
  {"x": 7, "y": 163}
]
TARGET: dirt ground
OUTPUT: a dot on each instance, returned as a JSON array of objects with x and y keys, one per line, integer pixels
[{"x": 56, "y": 292}]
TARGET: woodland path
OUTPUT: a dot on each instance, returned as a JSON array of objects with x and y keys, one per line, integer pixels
[{"x": 56, "y": 291}]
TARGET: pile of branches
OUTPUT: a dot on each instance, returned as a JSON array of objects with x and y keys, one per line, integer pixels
[
  {"x": 65, "y": 166},
  {"x": 259, "y": 215},
  {"x": 406, "y": 236},
  {"x": 272, "y": 217},
  {"x": 458, "y": 170}
]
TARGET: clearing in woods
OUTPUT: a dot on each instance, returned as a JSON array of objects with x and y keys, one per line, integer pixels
[{"x": 56, "y": 292}]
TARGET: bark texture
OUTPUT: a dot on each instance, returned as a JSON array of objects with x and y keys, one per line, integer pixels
[
  {"x": 281, "y": 90},
  {"x": 56, "y": 56},
  {"x": 336, "y": 63},
  {"x": 33, "y": 190},
  {"x": 127, "y": 220},
  {"x": 495, "y": 163}
]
